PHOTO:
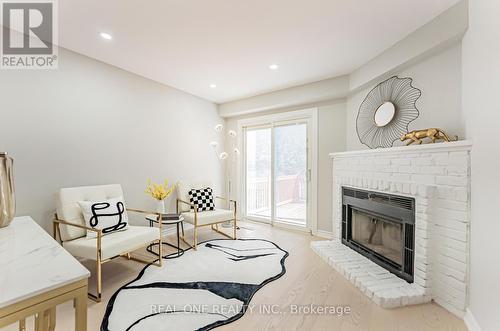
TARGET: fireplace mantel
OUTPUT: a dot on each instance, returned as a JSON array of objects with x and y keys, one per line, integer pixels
[
  {"x": 461, "y": 145},
  {"x": 437, "y": 176}
]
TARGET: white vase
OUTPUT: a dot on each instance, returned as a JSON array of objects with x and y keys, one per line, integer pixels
[{"x": 160, "y": 206}]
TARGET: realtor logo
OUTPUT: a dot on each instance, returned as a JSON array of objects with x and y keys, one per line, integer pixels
[{"x": 29, "y": 33}]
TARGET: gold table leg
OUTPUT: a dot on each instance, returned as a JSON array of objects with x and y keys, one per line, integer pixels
[
  {"x": 52, "y": 319},
  {"x": 44, "y": 321},
  {"x": 41, "y": 321},
  {"x": 81, "y": 310}
]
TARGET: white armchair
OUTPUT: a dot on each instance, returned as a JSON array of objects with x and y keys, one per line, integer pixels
[
  {"x": 70, "y": 229},
  {"x": 199, "y": 219}
]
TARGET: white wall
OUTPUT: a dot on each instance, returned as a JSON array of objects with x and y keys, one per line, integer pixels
[
  {"x": 446, "y": 29},
  {"x": 90, "y": 123},
  {"x": 481, "y": 88},
  {"x": 324, "y": 90},
  {"x": 439, "y": 78},
  {"x": 331, "y": 138}
]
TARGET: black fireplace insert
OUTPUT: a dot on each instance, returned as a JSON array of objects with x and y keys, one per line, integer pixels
[{"x": 381, "y": 227}]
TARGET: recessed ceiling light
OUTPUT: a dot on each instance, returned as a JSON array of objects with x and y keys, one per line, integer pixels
[
  {"x": 274, "y": 66},
  {"x": 106, "y": 36},
  {"x": 213, "y": 86}
]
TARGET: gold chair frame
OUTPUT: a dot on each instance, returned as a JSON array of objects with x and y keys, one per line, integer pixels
[
  {"x": 214, "y": 226},
  {"x": 99, "y": 260}
]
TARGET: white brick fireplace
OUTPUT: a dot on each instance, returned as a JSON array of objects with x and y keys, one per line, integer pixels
[{"x": 437, "y": 176}]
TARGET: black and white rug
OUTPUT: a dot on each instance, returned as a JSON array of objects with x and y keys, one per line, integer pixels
[{"x": 201, "y": 290}]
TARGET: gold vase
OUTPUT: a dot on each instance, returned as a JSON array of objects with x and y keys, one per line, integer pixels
[{"x": 7, "y": 194}]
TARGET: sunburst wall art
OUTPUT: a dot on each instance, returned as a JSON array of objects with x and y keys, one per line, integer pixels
[{"x": 386, "y": 112}]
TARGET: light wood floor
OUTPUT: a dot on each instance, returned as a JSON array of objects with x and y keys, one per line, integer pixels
[{"x": 308, "y": 280}]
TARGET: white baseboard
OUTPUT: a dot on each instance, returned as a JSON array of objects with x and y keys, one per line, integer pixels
[
  {"x": 324, "y": 234},
  {"x": 470, "y": 321}
]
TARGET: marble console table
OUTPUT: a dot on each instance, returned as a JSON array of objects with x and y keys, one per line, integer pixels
[{"x": 37, "y": 274}]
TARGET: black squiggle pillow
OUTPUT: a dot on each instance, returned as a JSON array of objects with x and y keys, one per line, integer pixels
[{"x": 108, "y": 215}]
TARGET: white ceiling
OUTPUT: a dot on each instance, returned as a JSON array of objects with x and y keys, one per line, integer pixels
[{"x": 190, "y": 44}]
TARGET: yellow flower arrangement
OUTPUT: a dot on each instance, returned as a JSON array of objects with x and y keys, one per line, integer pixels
[{"x": 159, "y": 191}]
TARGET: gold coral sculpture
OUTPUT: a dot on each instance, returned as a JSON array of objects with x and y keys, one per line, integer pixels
[{"x": 433, "y": 134}]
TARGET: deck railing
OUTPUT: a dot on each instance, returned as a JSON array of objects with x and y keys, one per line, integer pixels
[{"x": 288, "y": 189}]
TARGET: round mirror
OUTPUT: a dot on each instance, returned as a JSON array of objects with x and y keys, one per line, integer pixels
[{"x": 384, "y": 114}]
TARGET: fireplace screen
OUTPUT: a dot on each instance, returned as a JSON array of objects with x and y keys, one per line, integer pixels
[
  {"x": 381, "y": 227},
  {"x": 379, "y": 235}
]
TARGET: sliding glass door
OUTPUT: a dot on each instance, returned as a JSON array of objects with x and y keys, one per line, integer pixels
[
  {"x": 277, "y": 173},
  {"x": 290, "y": 173},
  {"x": 258, "y": 173}
]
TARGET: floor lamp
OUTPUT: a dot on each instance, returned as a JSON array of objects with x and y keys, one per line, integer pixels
[{"x": 223, "y": 156}]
